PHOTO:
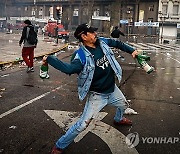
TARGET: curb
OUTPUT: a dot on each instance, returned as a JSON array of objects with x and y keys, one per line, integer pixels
[{"x": 20, "y": 60}]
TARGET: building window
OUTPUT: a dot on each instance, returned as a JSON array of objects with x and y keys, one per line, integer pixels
[
  {"x": 75, "y": 16},
  {"x": 175, "y": 9},
  {"x": 107, "y": 11},
  {"x": 26, "y": 8},
  {"x": 150, "y": 19},
  {"x": 51, "y": 12},
  {"x": 96, "y": 12},
  {"x": 164, "y": 9},
  {"x": 141, "y": 15},
  {"x": 151, "y": 8},
  {"x": 75, "y": 12},
  {"x": 33, "y": 13},
  {"x": 107, "y": 14},
  {"x": 41, "y": 12}
]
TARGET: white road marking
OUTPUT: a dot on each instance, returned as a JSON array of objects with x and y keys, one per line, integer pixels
[
  {"x": 155, "y": 47},
  {"x": 5, "y": 75},
  {"x": 171, "y": 57},
  {"x": 27, "y": 103},
  {"x": 111, "y": 136},
  {"x": 22, "y": 105}
]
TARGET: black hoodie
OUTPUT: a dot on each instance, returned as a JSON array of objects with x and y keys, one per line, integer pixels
[{"x": 24, "y": 36}]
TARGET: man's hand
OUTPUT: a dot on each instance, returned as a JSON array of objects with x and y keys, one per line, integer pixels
[
  {"x": 44, "y": 60},
  {"x": 135, "y": 52}
]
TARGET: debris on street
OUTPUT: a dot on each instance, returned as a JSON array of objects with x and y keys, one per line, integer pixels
[
  {"x": 130, "y": 111},
  {"x": 12, "y": 127}
]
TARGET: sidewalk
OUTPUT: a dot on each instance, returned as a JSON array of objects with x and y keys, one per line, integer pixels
[{"x": 11, "y": 51}]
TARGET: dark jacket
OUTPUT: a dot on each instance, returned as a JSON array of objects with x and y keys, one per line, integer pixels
[
  {"x": 24, "y": 36},
  {"x": 116, "y": 33}
]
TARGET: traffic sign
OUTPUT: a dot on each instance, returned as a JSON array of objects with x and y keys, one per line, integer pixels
[
  {"x": 149, "y": 24},
  {"x": 101, "y": 18},
  {"x": 124, "y": 21}
]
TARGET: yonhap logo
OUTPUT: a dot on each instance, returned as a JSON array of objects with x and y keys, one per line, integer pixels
[{"x": 132, "y": 139}]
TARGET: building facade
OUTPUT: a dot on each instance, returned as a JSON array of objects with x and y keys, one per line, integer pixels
[
  {"x": 169, "y": 18},
  {"x": 103, "y": 14}
]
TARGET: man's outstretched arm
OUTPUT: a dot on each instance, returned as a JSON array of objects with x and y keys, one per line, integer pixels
[{"x": 69, "y": 68}]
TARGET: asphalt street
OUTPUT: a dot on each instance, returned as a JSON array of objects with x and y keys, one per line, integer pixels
[{"x": 35, "y": 112}]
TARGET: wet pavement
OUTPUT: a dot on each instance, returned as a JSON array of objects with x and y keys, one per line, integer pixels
[{"x": 31, "y": 108}]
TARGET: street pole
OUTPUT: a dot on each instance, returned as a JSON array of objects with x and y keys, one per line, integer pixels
[
  {"x": 162, "y": 31},
  {"x": 128, "y": 31},
  {"x": 58, "y": 17},
  {"x": 57, "y": 31}
]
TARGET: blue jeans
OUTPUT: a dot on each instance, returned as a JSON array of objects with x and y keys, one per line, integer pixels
[{"x": 95, "y": 102}]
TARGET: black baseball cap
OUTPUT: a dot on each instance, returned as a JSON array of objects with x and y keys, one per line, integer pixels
[{"x": 82, "y": 29}]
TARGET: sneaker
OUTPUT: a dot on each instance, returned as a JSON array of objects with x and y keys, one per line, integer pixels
[
  {"x": 32, "y": 69},
  {"x": 28, "y": 70},
  {"x": 56, "y": 150},
  {"x": 47, "y": 76},
  {"x": 124, "y": 121}
]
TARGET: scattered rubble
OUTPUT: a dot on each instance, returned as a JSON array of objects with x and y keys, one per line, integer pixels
[
  {"x": 1, "y": 91},
  {"x": 12, "y": 127}
]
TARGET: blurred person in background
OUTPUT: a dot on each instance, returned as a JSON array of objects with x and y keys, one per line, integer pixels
[
  {"x": 28, "y": 49},
  {"x": 116, "y": 33}
]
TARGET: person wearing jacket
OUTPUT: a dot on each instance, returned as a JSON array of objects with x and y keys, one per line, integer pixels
[
  {"x": 28, "y": 49},
  {"x": 116, "y": 33},
  {"x": 96, "y": 80}
]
